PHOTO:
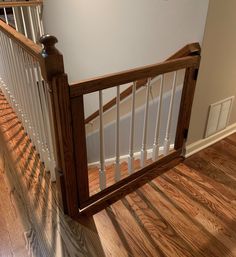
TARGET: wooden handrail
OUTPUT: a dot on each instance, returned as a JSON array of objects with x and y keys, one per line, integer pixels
[
  {"x": 27, "y": 44},
  {"x": 189, "y": 49},
  {"x": 20, "y": 3},
  {"x": 120, "y": 78}
]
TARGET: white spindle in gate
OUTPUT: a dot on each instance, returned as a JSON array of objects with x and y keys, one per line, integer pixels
[
  {"x": 168, "y": 127},
  {"x": 156, "y": 145},
  {"x": 102, "y": 172},
  {"x": 117, "y": 163},
  {"x": 145, "y": 126},
  {"x": 131, "y": 143}
]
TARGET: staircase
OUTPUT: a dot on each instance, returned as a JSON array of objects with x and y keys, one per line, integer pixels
[{"x": 51, "y": 110}]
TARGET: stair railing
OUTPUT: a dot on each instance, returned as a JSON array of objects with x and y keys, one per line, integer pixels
[
  {"x": 26, "y": 90},
  {"x": 52, "y": 112},
  {"x": 24, "y": 16},
  {"x": 32, "y": 79}
]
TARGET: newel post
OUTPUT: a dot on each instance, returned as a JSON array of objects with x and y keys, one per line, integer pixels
[{"x": 52, "y": 67}]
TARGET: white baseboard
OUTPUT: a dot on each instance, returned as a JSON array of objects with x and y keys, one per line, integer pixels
[
  {"x": 125, "y": 157},
  {"x": 204, "y": 143}
]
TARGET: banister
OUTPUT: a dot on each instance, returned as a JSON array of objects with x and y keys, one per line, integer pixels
[
  {"x": 188, "y": 50},
  {"x": 27, "y": 44},
  {"x": 120, "y": 78},
  {"x": 52, "y": 70},
  {"x": 20, "y": 3}
]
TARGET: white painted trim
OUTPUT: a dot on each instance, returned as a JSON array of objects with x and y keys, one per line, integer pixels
[
  {"x": 204, "y": 143},
  {"x": 137, "y": 155}
]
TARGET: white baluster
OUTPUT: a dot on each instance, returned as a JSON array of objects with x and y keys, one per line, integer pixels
[
  {"x": 31, "y": 109},
  {"x": 51, "y": 132},
  {"x": 117, "y": 163},
  {"x": 131, "y": 143},
  {"x": 6, "y": 68},
  {"x": 23, "y": 21},
  {"x": 31, "y": 24},
  {"x": 20, "y": 84},
  {"x": 145, "y": 126},
  {"x": 167, "y": 136},
  {"x": 37, "y": 23},
  {"x": 18, "y": 104},
  {"x": 40, "y": 124},
  {"x": 156, "y": 145},
  {"x": 11, "y": 77},
  {"x": 15, "y": 20},
  {"x": 47, "y": 132},
  {"x": 102, "y": 174},
  {"x": 5, "y": 16},
  {"x": 25, "y": 91},
  {"x": 48, "y": 123},
  {"x": 40, "y": 22}
]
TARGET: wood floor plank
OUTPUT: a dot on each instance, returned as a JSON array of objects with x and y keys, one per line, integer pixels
[
  {"x": 160, "y": 230},
  {"x": 199, "y": 194},
  {"x": 190, "y": 211},
  {"x": 216, "y": 190},
  {"x": 141, "y": 244},
  {"x": 11, "y": 226},
  {"x": 210, "y": 226}
]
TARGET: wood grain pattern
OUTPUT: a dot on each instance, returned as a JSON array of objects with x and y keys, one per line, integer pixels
[
  {"x": 12, "y": 241},
  {"x": 130, "y": 183},
  {"x": 79, "y": 142},
  {"x": 65, "y": 141},
  {"x": 185, "y": 107},
  {"x": 189, "y": 210}
]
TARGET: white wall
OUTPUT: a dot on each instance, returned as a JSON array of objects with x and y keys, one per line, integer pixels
[
  {"x": 103, "y": 36},
  {"x": 217, "y": 77}
]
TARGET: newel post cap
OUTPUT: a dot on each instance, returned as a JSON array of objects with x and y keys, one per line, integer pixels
[
  {"x": 48, "y": 43},
  {"x": 52, "y": 62}
]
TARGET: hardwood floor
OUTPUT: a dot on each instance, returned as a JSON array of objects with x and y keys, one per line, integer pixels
[{"x": 188, "y": 211}]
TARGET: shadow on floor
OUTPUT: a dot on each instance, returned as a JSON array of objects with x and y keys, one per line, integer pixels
[{"x": 48, "y": 231}]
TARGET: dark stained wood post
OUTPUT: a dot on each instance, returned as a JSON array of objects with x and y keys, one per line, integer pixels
[
  {"x": 53, "y": 73},
  {"x": 186, "y": 102}
]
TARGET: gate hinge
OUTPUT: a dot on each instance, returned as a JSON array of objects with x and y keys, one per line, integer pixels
[
  {"x": 185, "y": 133},
  {"x": 195, "y": 76}
]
